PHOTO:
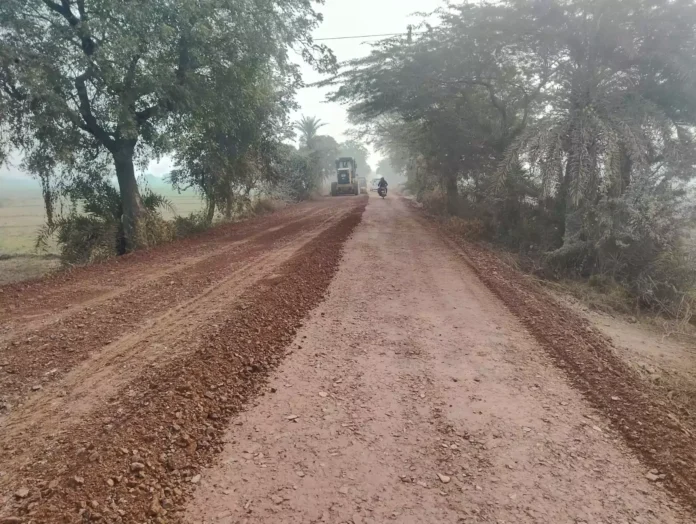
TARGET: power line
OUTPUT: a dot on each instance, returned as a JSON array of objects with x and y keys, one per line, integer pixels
[{"x": 366, "y": 36}]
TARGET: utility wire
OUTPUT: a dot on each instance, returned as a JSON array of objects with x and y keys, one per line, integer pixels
[{"x": 366, "y": 36}]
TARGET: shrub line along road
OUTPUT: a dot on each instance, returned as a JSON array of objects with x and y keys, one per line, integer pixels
[{"x": 322, "y": 364}]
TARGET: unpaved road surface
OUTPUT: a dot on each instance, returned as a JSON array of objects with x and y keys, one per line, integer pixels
[
  {"x": 419, "y": 398},
  {"x": 141, "y": 361},
  {"x": 323, "y": 364}
]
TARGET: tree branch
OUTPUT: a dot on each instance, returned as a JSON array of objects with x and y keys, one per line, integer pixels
[
  {"x": 10, "y": 88},
  {"x": 147, "y": 113},
  {"x": 75, "y": 119},
  {"x": 63, "y": 9},
  {"x": 183, "y": 60},
  {"x": 497, "y": 103},
  {"x": 529, "y": 98},
  {"x": 90, "y": 121},
  {"x": 130, "y": 73},
  {"x": 81, "y": 9}
]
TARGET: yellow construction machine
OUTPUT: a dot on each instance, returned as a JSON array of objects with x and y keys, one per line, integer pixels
[{"x": 347, "y": 183}]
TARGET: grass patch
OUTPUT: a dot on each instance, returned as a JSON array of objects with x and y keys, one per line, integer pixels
[
  {"x": 23, "y": 216},
  {"x": 16, "y": 268}
]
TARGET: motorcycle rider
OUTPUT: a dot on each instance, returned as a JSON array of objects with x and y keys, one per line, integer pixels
[{"x": 382, "y": 184}]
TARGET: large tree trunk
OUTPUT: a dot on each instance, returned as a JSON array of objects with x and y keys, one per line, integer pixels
[
  {"x": 229, "y": 203},
  {"x": 452, "y": 194},
  {"x": 626, "y": 168},
  {"x": 569, "y": 213},
  {"x": 48, "y": 196},
  {"x": 209, "y": 195},
  {"x": 209, "y": 210},
  {"x": 562, "y": 204},
  {"x": 133, "y": 209}
]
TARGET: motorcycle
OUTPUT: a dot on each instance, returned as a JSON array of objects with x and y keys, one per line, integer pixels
[{"x": 382, "y": 191}]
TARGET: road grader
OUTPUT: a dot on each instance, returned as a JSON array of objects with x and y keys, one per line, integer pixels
[{"x": 347, "y": 183}]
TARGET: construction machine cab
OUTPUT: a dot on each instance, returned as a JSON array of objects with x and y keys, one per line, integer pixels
[{"x": 347, "y": 177}]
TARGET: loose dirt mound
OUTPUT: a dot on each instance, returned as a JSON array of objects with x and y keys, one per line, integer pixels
[
  {"x": 661, "y": 431},
  {"x": 139, "y": 458},
  {"x": 61, "y": 289},
  {"x": 59, "y": 346}
]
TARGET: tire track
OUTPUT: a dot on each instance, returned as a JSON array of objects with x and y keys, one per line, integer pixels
[
  {"x": 34, "y": 359},
  {"x": 92, "y": 383},
  {"x": 172, "y": 415}
]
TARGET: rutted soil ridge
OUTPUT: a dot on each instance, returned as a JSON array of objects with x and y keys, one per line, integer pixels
[
  {"x": 651, "y": 423},
  {"x": 31, "y": 358},
  {"x": 136, "y": 460}
]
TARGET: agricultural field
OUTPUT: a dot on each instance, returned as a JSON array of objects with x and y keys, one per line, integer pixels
[{"x": 22, "y": 212}]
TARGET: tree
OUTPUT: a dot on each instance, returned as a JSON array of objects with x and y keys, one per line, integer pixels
[
  {"x": 323, "y": 154},
  {"x": 566, "y": 126},
  {"x": 308, "y": 126},
  {"x": 458, "y": 90},
  {"x": 608, "y": 122},
  {"x": 80, "y": 79},
  {"x": 91, "y": 230},
  {"x": 385, "y": 168},
  {"x": 224, "y": 160},
  {"x": 357, "y": 150},
  {"x": 297, "y": 172}
]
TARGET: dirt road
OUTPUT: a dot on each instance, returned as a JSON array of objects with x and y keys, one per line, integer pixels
[
  {"x": 311, "y": 366},
  {"x": 87, "y": 357},
  {"x": 416, "y": 397}
]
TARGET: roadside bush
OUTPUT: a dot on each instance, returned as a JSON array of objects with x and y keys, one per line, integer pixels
[
  {"x": 83, "y": 239},
  {"x": 298, "y": 178},
  {"x": 434, "y": 202},
  {"x": 155, "y": 230},
  {"x": 633, "y": 247},
  {"x": 92, "y": 230},
  {"x": 469, "y": 229},
  {"x": 638, "y": 241},
  {"x": 600, "y": 294},
  {"x": 189, "y": 225},
  {"x": 668, "y": 285}
]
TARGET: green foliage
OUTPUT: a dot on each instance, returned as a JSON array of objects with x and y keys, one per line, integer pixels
[
  {"x": 320, "y": 153},
  {"x": 565, "y": 126},
  {"x": 308, "y": 127},
  {"x": 83, "y": 239},
  {"x": 470, "y": 229},
  {"x": 298, "y": 172},
  {"x": 358, "y": 151},
  {"x": 323, "y": 152},
  {"x": 385, "y": 168},
  {"x": 192, "y": 224},
  {"x": 225, "y": 160},
  {"x": 92, "y": 228},
  {"x": 123, "y": 82}
]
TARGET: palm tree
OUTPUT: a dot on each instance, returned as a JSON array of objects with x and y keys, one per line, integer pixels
[
  {"x": 308, "y": 126},
  {"x": 606, "y": 122}
]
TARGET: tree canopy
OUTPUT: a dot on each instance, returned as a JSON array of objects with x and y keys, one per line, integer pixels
[
  {"x": 566, "y": 126},
  {"x": 308, "y": 127},
  {"x": 87, "y": 81},
  {"x": 386, "y": 169}
]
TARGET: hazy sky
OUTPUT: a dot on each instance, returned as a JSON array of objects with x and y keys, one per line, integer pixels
[
  {"x": 342, "y": 18},
  {"x": 348, "y": 18}
]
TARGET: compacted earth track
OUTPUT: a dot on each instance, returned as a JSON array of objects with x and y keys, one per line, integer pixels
[
  {"x": 98, "y": 363},
  {"x": 329, "y": 363}
]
